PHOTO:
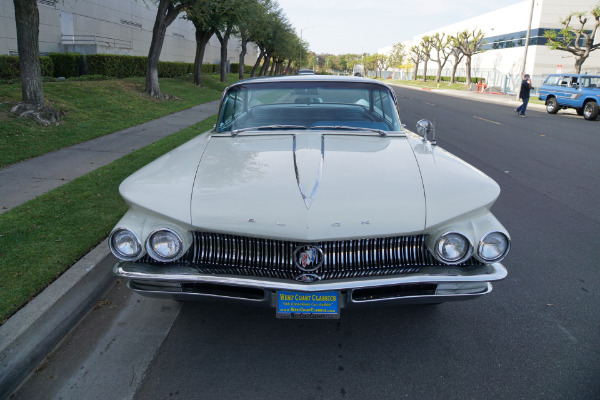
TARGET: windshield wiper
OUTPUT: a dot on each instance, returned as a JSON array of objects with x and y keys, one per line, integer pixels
[
  {"x": 235, "y": 132},
  {"x": 350, "y": 128}
]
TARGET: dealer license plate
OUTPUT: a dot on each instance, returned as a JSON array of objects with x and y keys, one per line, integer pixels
[{"x": 319, "y": 305}]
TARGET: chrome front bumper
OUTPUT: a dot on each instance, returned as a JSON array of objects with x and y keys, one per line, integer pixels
[{"x": 431, "y": 285}]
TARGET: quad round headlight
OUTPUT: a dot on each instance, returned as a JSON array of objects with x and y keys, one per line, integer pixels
[
  {"x": 125, "y": 245},
  {"x": 493, "y": 247},
  {"x": 164, "y": 245},
  {"x": 453, "y": 248}
]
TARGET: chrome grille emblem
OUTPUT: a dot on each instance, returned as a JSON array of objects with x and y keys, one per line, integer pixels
[{"x": 308, "y": 258}]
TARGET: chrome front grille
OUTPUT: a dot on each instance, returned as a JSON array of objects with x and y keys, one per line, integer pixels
[{"x": 236, "y": 255}]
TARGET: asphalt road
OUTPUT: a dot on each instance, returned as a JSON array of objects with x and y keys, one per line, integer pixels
[{"x": 536, "y": 336}]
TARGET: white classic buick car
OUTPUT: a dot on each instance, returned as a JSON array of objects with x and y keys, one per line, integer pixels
[{"x": 309, "y": 196}]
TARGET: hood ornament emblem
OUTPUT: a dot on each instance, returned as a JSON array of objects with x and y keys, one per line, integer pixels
[{"x": 306, "y": 196}]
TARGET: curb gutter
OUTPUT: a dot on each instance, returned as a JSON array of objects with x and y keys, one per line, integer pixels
[{"x": 29, "y": 335}]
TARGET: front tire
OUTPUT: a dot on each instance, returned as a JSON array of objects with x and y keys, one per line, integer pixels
[
  {"x": 552, "y": 105},
  {"x": 590, "y": 111},
  {"x": 579, "y": 111}
]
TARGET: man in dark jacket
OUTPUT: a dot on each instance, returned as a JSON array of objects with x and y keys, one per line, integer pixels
[{"x": 524, "y": 95}]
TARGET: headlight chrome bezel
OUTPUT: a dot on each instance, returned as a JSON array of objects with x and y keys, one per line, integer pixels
[
  {"x": 155, "y": 255},
  {"x": 482, "y": 243},
  {"x": 120, "y": 255},
  {"x": 464, "y": 256}
]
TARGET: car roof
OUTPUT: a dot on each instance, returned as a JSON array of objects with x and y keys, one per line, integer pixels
[{"x": 310, "y": 78}]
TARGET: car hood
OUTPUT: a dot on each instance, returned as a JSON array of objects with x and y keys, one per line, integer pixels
[{"x": 308, "y": 186}]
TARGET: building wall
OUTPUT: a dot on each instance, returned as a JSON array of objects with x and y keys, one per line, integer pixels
[
  {"x": 502, "y": 67},
  {"x": 120, "y": 26}
]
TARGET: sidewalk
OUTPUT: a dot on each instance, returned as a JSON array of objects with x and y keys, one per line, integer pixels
[{"x": 29, "y": 335}]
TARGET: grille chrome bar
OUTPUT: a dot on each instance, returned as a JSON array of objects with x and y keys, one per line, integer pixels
[{"x": 229, "y": 254}]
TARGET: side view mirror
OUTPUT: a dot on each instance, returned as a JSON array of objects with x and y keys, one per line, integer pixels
[{"x": 424, "y": 128}]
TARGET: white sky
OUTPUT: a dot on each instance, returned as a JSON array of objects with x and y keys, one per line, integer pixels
[{"x": 356, "y": 26}]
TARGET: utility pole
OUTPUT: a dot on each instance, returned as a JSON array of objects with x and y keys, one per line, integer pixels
[{"x": 526, "y": 43}]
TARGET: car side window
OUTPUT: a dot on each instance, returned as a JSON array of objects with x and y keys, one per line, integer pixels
[{"x": 552, "y": 80}]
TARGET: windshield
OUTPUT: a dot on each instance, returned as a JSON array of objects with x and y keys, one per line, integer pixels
[{"x": 306, "y": 105}]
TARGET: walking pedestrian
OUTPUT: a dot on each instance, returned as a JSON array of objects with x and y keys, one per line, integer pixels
[{"x": 524, "y": 95}]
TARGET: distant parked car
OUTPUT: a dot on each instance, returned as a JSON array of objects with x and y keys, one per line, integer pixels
[
  {"x": 581, "y": 92},
  {"x": 306, "y": 72}
]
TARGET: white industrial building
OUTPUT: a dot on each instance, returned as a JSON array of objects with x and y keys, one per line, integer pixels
[
  {"x": 505, "y": 31},
  {"x": 111, "y": 27}
]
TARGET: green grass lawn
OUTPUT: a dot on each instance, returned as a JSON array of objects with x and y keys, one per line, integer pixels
[
  {"x": 42, "y": 238},
  {"x": 91, "y": 109}
]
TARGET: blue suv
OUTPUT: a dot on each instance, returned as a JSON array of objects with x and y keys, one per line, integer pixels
[{"x": 581, "y": 92}]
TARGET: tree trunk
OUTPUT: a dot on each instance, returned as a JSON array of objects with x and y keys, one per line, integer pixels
[
  {"x": 265, "y": 66},
  {"x": 27, "y": 18},
  {"x": 224, "y": 39},
  {"x": 165, "y": 15},
  {"x": 242, "y": 56},
  {"x": 425, "y": 69},
  {"x": 287, "y": 69},
  {"x": 257, "y": 63},
  {"x": 272, "y": 66},
  {"x": 454, "y": 68},
  {"x": 578, "y": 63},
  {"x": 416, "y": 70},
  {"x": 468, "y": 68},
  {"x": 202, "y": 38}
]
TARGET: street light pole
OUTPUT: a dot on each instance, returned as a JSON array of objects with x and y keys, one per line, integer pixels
[{"x": 307, "y": 27}]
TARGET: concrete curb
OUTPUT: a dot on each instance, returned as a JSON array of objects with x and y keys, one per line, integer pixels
[{"x": 29, "y": 335}]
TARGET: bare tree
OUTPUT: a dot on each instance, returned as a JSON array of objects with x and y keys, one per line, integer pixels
[
  {"x": 469, "y": 43},
  {"x": 416, "y": 56},
  {"x": 443, "y": 48},
  {"x": 32, "y": 106},
  {"x": 426, "y": 46},
  {"x": 578, "y": 41}
]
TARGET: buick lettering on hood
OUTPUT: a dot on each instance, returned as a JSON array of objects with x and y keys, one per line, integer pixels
[{"x": 310, "y": 197}]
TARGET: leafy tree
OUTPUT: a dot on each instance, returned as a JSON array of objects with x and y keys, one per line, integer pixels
[
  {"x": 32, "y": 106},
  {"x": 578, "y": 41},
  {"x": 397, "y": 55},
  {"x": 167, "y": 11},
  {"x": 201, "y": 15},
  {"x": 469, "y": 43},
  {"x": 442, "y": 47},
  {"x": 383, "y": 63},
  {"x": 248, "y": 26}
]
